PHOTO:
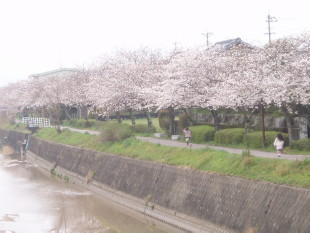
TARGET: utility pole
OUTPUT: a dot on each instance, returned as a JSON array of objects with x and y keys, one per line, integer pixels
[
  {"x": 270, "y": 20},
  {"x": 207, "y": 35}
]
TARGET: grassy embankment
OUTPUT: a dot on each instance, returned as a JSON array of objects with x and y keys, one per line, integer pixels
[
  {"x": 96, "y": 125},
  {"x": 273, "y": 170}
]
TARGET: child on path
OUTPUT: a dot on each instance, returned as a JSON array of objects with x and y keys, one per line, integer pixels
[
  {"x": 188, "y": 136},
  {"x": 279, "y": 143}
]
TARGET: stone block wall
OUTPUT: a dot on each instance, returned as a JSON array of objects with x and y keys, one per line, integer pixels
[{"x": 234, "y": 203}]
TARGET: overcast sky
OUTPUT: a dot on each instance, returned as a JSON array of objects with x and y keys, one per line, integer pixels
[{"x": 42, "y": 35}]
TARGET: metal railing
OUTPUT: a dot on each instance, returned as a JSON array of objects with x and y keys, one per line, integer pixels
[{"x": 41, "y": 122}]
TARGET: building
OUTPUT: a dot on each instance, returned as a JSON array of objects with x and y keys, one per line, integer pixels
[
  {"x": 228, "y": 44},
  {"x": 61, "y": 72},
  {"x": 72, "y": 111}
]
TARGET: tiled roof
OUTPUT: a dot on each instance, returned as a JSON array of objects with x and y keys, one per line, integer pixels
[{"x": 228, "y": 44}]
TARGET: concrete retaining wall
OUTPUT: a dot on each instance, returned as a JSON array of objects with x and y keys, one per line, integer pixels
[{"x": 234, "y": 203}]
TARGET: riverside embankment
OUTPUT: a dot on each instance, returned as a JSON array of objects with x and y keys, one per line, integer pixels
[{"x": 207, "y": 202}]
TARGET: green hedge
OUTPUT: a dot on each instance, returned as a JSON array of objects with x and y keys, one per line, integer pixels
[
  {"x": 229, "y": 136},
  {"x": 302, "y": 144},
  {"x": 254, "y": 139},
  {"x": 202, "y": 133}
]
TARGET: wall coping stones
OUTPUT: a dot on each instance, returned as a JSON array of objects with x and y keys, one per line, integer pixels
[
  {"x": 159, "y": 135},
  {"x": 176, "y": 137}
]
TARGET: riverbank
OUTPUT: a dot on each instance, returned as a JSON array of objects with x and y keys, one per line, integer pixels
[{"x": 235, "y": 204}]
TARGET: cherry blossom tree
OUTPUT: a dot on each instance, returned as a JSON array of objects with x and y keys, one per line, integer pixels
[
  {"x": 120, "y": 80},
  {"x": 287, "y": 67},
  {"x": 77, "y": 92},
  {"x": 146, "y": 79}
]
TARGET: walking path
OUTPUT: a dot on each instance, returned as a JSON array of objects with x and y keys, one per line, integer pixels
[
  {"x": 256, "y": 153},
  {"x": 80, "y": 130},
  {"x": 167, "y": 142}
]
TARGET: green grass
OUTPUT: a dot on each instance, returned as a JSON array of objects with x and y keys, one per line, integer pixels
[
  {"x": 20, "y": 127},
  {"x": 144, "y": 121},
  {"x": 287, "y": 150},
  {"x": 69, "y": 137},
  {"x": 98, "y": 124},
  {"x": 273, "y": 170}
]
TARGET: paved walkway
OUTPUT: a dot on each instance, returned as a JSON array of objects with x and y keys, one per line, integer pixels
[
  {"x": 80, "y": 130},
  {"x": 167, "y": 142}
]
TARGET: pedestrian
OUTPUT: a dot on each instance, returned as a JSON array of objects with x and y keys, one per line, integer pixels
[
  {"x": 188, "y": 136},
  {"x": 279, "y": 144},
  {"x": 24, "y": 145}
]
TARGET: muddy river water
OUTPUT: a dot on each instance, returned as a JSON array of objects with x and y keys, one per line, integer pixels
[{"x": 32, "y": 201}]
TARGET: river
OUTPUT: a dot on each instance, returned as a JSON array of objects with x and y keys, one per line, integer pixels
[{"x": 32, "y": 201}]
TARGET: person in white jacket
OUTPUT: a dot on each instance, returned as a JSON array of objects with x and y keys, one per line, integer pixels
[{"x": 279, "y": 143}]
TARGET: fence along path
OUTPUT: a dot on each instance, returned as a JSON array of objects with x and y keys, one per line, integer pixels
[{"x": 41, "y": 122}]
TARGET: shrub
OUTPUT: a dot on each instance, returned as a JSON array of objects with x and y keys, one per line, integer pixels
[
  {"x": 141, "y": 128},
  {"x": 229, "y": 136},
  {"x": 202, "y": 133},
  {"x": 247, "y": 159},
  {"x": 302, "y": 144},
  {"x": 114, "y": 131},
  {"x": 254, "y": 139}
]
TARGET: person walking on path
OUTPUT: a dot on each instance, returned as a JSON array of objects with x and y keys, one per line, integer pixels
[
  {"x": 188, "y": 136},
  {"x": 279, "y": 143},
  {"x": 24, "y": 145}
]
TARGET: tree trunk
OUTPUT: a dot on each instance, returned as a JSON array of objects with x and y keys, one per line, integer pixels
[
  {"x": 216, "y": 120},
  {"x": 247, "y": 121},
  {"x": 149, "y": 119},
  {"x": 172, "y": 129},
  {"x": 118, "y": 117},
  {"x": 85, "y": 112},
  {"x": 107, "y": 116},
  {"x": 66, "y": 109},
  {"x": 55, "y": 113},
  {"x": 132, "y": 117},
  {"x": 44, "y": 112},
  {"x": 262, "y": 110},
  {"x": 287, "y": 117},
  {"x": 189, "y": 117},
  {"x": 96, "y": 113}
]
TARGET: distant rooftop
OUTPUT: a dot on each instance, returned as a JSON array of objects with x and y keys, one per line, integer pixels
[
  {"x": 53, "y": 72},
  {"x": 228, "y": 44}
]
